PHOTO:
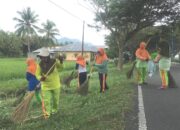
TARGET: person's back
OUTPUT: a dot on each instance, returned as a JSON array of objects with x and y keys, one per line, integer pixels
[
  {"x": 81, "y": 68},
  {"x": 164, "y": 60},
  {"x": 30, "y": 74},
  {"x": 33, "y": 82}
]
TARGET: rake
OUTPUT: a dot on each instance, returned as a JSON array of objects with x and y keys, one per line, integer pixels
[{"x": 172, "y": 82}]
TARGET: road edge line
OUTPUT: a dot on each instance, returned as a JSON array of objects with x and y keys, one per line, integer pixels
[{"x": 141, "y": 113}]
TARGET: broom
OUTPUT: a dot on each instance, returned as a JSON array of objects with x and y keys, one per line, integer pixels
[
  {"x": 20, "y": 95},
  {"x": 22, "y": 109},
  {"x": 67, "y": 79},
  {"x": 172, "y": 82},
  {"x": 129, "y": 74}
]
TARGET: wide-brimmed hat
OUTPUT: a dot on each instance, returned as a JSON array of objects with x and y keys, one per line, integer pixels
[{"x": 44, "y": 52}]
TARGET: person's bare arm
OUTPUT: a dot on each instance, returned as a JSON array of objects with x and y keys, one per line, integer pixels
[{"x": 158, "y": 57}]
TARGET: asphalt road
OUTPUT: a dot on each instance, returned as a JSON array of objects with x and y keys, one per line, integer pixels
[{"x": 162, "y": 107}]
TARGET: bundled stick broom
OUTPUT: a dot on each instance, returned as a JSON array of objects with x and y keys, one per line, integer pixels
[
  {"x": 129, "y": 74},
  {"x": 20, "y": 95},
  {"x": 22, "y": 109},
  {"x": 67, "y": 79},
  {"x": 172, "y": 82}
]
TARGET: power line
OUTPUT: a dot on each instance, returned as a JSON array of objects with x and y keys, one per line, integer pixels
[
  {"x": 85, "y": 7},
  {"x": 71, "y": 14},
  {"x": 65, "y": 10}
]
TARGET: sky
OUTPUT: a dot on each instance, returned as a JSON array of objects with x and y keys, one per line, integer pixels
[{"x": 70, "y": 24}]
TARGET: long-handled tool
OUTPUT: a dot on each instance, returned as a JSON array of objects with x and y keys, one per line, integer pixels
[{"x": 22, "y": 109}]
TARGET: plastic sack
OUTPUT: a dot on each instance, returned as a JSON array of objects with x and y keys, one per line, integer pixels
[{"x": 151, "y": 68}]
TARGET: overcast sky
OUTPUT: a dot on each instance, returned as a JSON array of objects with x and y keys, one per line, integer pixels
[{"x": 69, "y": 25}]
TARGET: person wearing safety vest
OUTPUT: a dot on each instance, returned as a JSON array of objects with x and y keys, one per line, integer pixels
[
  {"x": 142, "y": 57},
  {"x": 81, "y": 67},
  {"x": 48, "y": 73},
  {"x": 31, "y": 77},
  {"x": 101, "y": 62},
  {"x": 164, "y": 60}
]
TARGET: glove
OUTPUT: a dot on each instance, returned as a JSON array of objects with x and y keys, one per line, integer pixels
[
  {"x": 92, "y": 64},
  {"x": 43, "y": 78},
  {"x": 38, "y": 87},
  {"x": 61, "y": 59}
]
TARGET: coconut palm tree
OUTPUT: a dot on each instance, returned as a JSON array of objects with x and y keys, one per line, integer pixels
[
  {"x": 50, "y": 30},
  {"x": 26, "y": 24}
]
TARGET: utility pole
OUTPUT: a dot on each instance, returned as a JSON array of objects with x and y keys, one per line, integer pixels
[
  {"x": 172, "y": 41},
  {"x": 83, "y": 39}
]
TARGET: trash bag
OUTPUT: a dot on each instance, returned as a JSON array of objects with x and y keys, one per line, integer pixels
[{"x": 151, "y": 68}]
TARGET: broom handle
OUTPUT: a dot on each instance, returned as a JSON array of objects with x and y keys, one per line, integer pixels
[
  {"x": 46, "y": 74},
  {"x": 50, "y": 69},
  {"x": 91, "y": 69},
  {"x": 149, "y": 41}
]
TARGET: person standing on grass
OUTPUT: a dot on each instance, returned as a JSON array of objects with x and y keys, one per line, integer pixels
[
  {"x": 48, "y": 73},
  {"x": 101, "y": 62},
  {"x": 142, "y": 57},
  {"x": 81, "y": 67},
  {"x": 164, "y": 60},
  {"x": 33, "y": 82}
]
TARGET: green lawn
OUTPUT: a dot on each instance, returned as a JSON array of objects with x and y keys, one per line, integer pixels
[{"x": 97, "y": 111}]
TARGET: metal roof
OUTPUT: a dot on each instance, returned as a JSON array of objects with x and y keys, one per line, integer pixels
[
  {"x": 76, "y": 48},
  {"x": 38, "y": 50}
]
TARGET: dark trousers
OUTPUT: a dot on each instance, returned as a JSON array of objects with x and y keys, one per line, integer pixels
[
  {"x": 103, "y": 84},
  {"x": 82, "y": 77}
]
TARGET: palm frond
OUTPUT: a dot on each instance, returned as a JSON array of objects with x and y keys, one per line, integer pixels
[
  {"x": 26, "y": 22},
  {"x": 18, "y": 20}
]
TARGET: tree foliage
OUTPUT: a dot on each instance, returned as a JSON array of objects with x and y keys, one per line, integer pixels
[
  {"x": 49, "y": 29},
  {"x": 10, "y": 45},
  {"x": 124, "y": 18},
  {"x": 26, "y": 24}
]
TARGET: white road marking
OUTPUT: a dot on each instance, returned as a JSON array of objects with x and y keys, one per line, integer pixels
[{"x": 141, "y": 114}]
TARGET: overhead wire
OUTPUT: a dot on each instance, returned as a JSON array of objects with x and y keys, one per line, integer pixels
[
  {"x": 73, "y": 15},
  {"x": 65, "y": 10},
  {"x": 85, "y": 7}
]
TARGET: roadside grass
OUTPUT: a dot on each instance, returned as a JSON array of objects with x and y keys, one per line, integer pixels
[
  {"x": 12, "y": 68},
  {"x": 96, "y": 111},
  {"x": 13, "y": 72}
]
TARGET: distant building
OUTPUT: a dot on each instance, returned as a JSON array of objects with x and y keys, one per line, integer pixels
[
  {"x": 73, "y": 50},
  {"x": 102, "y": 46}
]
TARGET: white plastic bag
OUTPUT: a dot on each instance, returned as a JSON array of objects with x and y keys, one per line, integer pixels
[{"x": 151, "y": 68}]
